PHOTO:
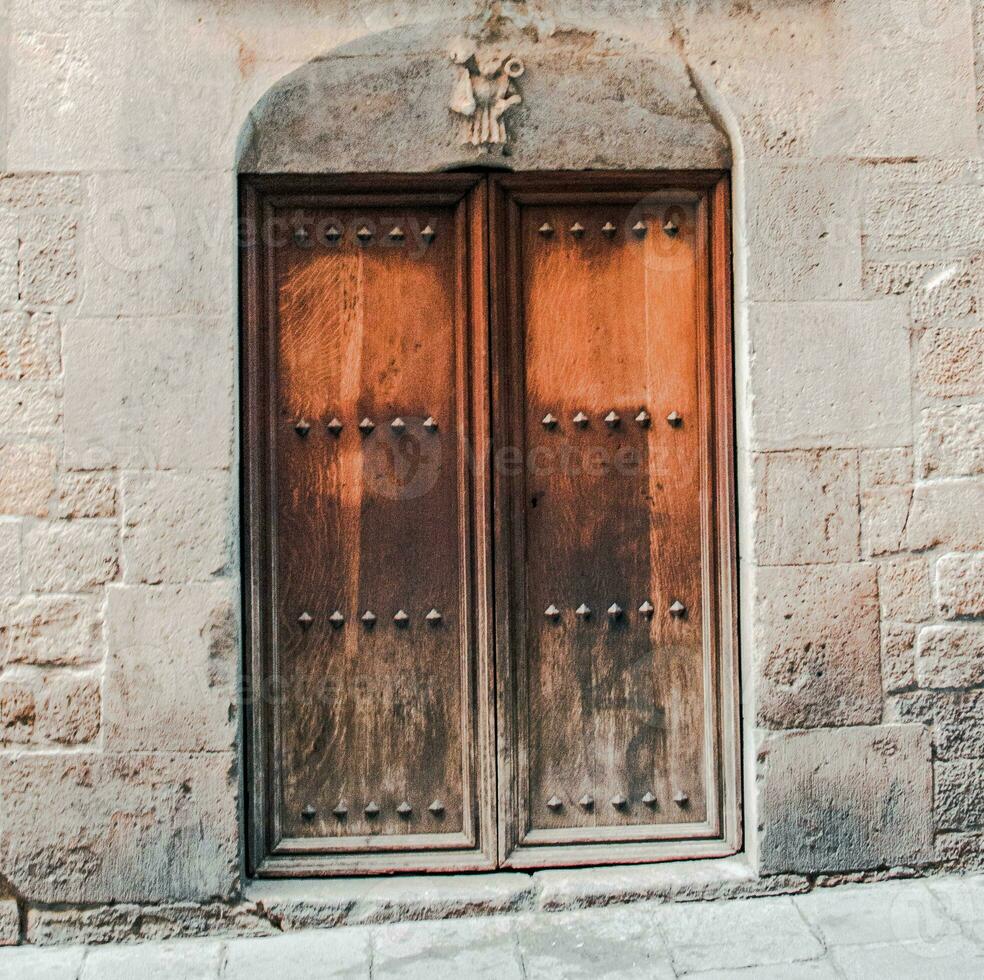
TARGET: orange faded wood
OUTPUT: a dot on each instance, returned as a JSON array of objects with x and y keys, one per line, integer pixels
[
  {"x": 370, "y": 521},
  {"x": 616, "y": 723}
]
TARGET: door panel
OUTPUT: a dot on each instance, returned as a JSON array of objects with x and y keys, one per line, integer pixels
[
  {"x": 610, "y": 597},
  {"x": 377, "y": 556},
  {"x": 577, "y": 427}
]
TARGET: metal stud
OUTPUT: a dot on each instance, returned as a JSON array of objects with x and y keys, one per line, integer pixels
[
  {"x": 580, "y": 420},
  {"x": 549, "y": 421},
  {"x": 614, "y": 611},
  {"x": 341, "y": 810},
  {"x": 546, "y": 229},
  {"x": 398, "y": 425},
  {"x": 364, "y": 235},
  {"x": 303, "y": 427},
  {"x": 577, "y": 230},
  {"x": 678, "y": 609},
  {"x": 639, "y": 228},
  {"x": 428, "y": 234},
  {"x": 586, "y": 801},
  {"x": 334, "y": 427},
  {"x": 552, "y": 612},
  {"x": 554, "y": 803},
  {"x": 332, "y": 235},
  {"x": 336, "y": 618},
  {"x": 649, "y": 799},
  {"x": 583, "y": 611},
  {"x": 369, "y": 617},
  {"x": 430, "y": 423},
  {"x": 396, "y": 234},
  {"x": 681, "y": 798},
  {"x": 366, "y": 426},
  {"x": 671, "y": 228},
  {"x": 309, "y": 812},
  {"x": 401, "y": 618},
  {"x": 644, "y": 418},
  {"x": 619, "y": 801},
  {"x": 433, "y": 617},
  {"x": 372, "y": 809},
  {"x": 437, "y": 807},
  {"x": 301, "y": 236},
  {"x": 647, "y": 609},
  {"x": 404, "y": 809},
  {"x": 675, "y": 419},
  {"x": 612, "y": 419},
  {"x": 305, "y": 619},
  {"x": 608, "y": 229}
]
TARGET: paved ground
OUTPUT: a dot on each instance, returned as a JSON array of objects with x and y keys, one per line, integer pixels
[{"x": 927, "y": 929}]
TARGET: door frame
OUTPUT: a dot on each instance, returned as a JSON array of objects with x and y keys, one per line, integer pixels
[
  {"x": 722, "y": 834},
  {"x": 492, "y": 309}
]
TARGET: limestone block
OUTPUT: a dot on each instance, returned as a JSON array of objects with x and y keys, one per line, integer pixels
[
  {"x": 619, "y": 941},
  {"x": 158, "y": 244},
  {"x": 960, "y": 585},
  {"x": 9, "y": 247},
  {"x": 68, "y": 70},
  {"x": 950, "y": 290},
  {"x": 29, "y": 408},
  {"x": 817, "y": 645},
  {"x": 458, "y": 947},
  {"x": 947, "y": 513},
  {"x": 950, "y": 361},
  {"x": 806, "y": 507},
  {"x": 51, "y": 630},
  {"x": 898, "y": 657},
  {"x": 908, "y": 218},
  {"x": 47, "y": 258},
  {"x": 9, "y": 922},
  {"x": 74, "y": 556},
  {"x": 954, "y": 718},
  {"x": 173, "y": 662},
  {"x": 27, "y": 478},
  {"x": 960, "y": 795},
  {"x": 840, "y": 78},
  {"x": 30, "y": 346},
  {"x": 847, "y": 798},
  {"x": 950, "y": 656},
  {"x": 10, "y": 557},
  {"x": 255, "y": 959},
  {"x": 126, "y": 922},
  {"x": 729, "y": 936},
  {"x": 18, "y": 710},
  {"x": 176, "y": 526},
  {"x": 87, "y": 494},
  {"x": 142, "y": 394},
  {"x": 886, "y": 467},
  {"x": 830, "y": 375},
  {"x": 952, "y": 440},
  {"x": 29, "y": 192},
  {"x": 100, "y": 827},
  {"x": 903, "y": 588},
  {"x": 49, "y": 706},
  {"x": 803, "y": 234},
  {"x": 591, "y": 102},
  {"x": 187, "y": 960}
]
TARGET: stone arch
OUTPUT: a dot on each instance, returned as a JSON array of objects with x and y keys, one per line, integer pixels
[{"x": 381, "y": 104}]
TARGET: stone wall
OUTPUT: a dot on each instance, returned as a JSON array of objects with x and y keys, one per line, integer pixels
[{"x": 855, "y": 130}]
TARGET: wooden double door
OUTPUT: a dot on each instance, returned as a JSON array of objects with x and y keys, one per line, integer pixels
[{"x": 488, "y": 521}]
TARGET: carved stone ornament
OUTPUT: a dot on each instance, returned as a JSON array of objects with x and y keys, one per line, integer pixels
[{"x": 484, "y": 91}]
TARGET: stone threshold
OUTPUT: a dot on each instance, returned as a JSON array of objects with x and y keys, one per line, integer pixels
[{"x": 304, "y": 903}]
